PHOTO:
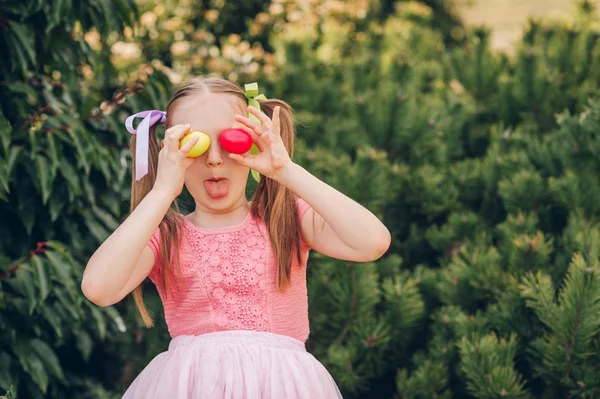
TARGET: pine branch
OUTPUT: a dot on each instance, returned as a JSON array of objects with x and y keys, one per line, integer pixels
[
  {"x": 353, "y": 306},
  {"x": 569, "y": 344}
]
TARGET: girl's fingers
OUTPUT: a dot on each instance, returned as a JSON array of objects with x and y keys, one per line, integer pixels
[
  {"x": 185, "y": 149},
  {"x": 177, "y": 131},
  {"x": 251, "y": 124},
  {"x": 275, "y": 128},
  {"x": 174, "y": 134},
  {"x": 261, "y": 117},
  {"x": 243, "y": 160},
  {"x": 255, "y": 137}
]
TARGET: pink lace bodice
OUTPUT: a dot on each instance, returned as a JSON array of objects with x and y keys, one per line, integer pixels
[{"x": 229, "y": 282}]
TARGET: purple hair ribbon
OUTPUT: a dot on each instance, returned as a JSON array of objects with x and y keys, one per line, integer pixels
[{"x": 142, "y": 132}]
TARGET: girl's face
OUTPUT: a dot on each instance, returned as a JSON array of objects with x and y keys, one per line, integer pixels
[{"x": 217, "y": 182}]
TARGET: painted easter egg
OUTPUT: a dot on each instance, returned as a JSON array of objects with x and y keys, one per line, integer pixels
[
  {"x": 236, "y": 141},
  {"x": 200, "y": 147}
]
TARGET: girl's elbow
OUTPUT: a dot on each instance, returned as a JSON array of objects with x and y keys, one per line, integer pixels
[
  {"x": 383, "y": 244},
  {"x": 95, "y": 294},
  {"x": 378, "y": 248},
  {"x": 91, "y": 293}
]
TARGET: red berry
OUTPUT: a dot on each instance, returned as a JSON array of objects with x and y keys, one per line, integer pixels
[{"x": 236, "y": 141}]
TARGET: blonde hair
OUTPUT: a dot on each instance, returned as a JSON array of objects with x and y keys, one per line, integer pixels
[{"x": 271, "y": 202}]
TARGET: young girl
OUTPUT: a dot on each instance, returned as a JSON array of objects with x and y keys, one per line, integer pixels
[{"x": 231, "y": 274}]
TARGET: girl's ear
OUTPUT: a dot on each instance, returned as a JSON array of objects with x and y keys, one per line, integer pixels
[{"x": 162, "y": 143}]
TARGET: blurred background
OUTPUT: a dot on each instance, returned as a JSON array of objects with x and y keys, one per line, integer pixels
[{"x": 471, "y": 128}]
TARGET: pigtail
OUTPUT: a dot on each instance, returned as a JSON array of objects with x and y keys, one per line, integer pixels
[
  {"x": 169, "y": 227},
  {"x": 276, "y": 204}
]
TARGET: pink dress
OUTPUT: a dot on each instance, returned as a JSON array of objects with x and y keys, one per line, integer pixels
[{"x": 234, "y": 336}]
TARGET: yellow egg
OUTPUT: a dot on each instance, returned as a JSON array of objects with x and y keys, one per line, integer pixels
[{"x": 200, "y": 147}]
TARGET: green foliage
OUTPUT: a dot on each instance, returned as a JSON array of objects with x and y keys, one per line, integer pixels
[
  {"x": 63, "y": 189},
  {"x": 56, "y": 326},
  {"x": 488, "y": 362},
  {"x": 495, "y": 181},
  {"x": 567, "y": 350},
  {"x": 484, "y": 167}
]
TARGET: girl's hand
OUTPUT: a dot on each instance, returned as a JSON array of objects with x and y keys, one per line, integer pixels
[
  {"x": 273, "y": 155},
  {"x": 173, "y": 161}
]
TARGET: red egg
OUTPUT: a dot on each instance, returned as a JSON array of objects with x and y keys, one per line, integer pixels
[{"x": 236, "y": 141}]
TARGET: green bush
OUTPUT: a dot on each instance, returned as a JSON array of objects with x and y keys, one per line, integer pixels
[
  {"x": 483, "y": 165},
  {"x": 63, "y": 188}
]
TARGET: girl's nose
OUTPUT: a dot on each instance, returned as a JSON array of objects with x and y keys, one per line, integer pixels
[{"x": 214, "y": 156}]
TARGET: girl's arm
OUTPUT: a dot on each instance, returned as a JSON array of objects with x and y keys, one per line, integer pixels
[
  {"x": 124, "y": 260},
  {"x": 335, "y": 225},
  {"x": 109, "y": 271}
]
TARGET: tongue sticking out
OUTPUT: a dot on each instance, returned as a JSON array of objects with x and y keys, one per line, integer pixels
[{"x": 217, "y": 189}]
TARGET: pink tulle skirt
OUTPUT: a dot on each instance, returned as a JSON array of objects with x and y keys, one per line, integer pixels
[{"x": 234, "y": 365}]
